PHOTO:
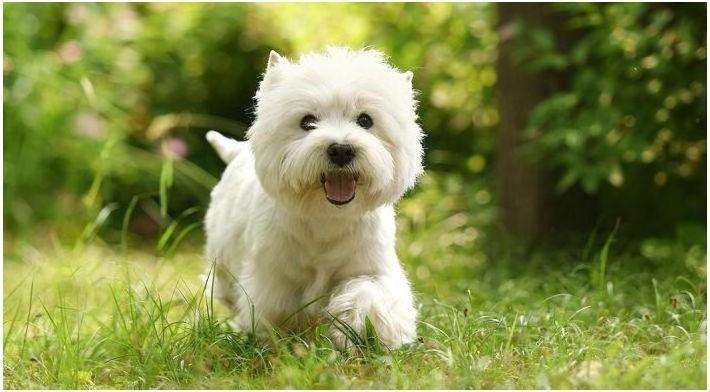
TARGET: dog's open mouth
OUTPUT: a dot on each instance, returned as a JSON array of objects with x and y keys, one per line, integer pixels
[{"x": 339, "y": 187}]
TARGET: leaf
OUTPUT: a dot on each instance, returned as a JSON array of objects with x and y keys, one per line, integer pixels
[{"x": 569, "y": 179}]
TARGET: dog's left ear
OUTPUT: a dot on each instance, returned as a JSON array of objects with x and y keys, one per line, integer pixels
[{"x": 409, "y": 76}]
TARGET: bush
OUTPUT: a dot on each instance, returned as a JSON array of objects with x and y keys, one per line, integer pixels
[
  {"x": 631, "y": 125},
  {"x": 87, "y": 86}
]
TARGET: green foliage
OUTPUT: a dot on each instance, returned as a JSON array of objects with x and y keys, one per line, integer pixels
[
  {"x": 100, "y": 97},
  {"x": 82, "y": 78},
  {"x": 635, "y": 105}
]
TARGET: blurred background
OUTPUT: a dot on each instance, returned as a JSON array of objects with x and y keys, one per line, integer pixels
[{"x": 544, "y": 123}]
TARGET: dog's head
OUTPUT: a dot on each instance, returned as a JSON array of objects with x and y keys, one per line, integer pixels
[{"x": 336, "y": 132}]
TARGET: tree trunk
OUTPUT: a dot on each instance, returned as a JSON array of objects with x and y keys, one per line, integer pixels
[{"x": 522, "y": 188}]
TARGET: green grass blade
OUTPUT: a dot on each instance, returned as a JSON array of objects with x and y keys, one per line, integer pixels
[
  {"x": 604, "y": 257},
  {"x": 126, "y": 221},
  {"x": 166, "y": 182}
]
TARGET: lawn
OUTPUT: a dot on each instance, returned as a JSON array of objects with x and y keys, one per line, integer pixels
[{"x": 606, "y": 316}]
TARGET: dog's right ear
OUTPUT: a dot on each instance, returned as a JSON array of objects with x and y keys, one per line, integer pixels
[
  {"x": 272, "y": 74},
  {"x": 274, "y": 60}
]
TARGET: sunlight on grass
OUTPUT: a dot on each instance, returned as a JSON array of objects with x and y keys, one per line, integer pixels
[{"x": 99, "y": 318}]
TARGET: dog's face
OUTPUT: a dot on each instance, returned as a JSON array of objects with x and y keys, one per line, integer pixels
[{"x": 336, "y": 133}]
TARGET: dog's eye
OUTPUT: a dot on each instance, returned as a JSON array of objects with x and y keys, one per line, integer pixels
[
  {"x": 364, "y": 120},
  {"x": 308, "y": 122}
]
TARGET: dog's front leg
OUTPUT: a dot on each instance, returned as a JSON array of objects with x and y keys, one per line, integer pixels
[{"x": 385, "y": 299}]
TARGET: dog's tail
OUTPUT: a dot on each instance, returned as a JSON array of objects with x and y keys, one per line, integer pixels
[{"x": 226, "y": 148}]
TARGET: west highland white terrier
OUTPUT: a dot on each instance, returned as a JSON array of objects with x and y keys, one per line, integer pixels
[{"x": 301, "y": 226}]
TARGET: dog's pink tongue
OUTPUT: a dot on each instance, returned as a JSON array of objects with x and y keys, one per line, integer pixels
[{"x": 339, "y": 188}]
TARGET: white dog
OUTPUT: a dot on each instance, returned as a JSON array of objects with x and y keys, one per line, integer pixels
[{"x": 301, "y": 226}]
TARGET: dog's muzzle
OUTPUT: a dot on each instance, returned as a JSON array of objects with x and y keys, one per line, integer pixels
[
  {"x": 341, "y": 154},
  {"x": 339, "y": 187}
]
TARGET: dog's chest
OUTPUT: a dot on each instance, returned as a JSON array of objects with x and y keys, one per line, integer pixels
[
  {"x": 312, "y": 250},
  {"x": 317, "y": 255}
]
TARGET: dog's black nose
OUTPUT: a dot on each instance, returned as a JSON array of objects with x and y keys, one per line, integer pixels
[{"x": 341, "y": 154}]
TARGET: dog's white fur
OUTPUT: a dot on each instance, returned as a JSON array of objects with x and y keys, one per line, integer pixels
[{"x": 276, "y": 241}]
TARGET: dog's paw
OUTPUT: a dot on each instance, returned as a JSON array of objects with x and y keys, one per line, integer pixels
[
  {"x": 340, "y": 338},
  {"x": 355, "y": 327},
  {"x": 363, "y": 308}
]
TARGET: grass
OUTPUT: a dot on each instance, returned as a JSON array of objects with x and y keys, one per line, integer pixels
[
  {"x": 96, "y": 317},
  {"x": 99, "y": 315}
]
